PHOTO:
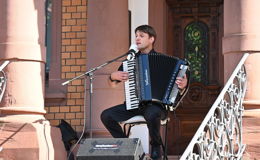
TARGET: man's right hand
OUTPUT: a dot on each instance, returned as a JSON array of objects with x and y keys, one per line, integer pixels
[{"x": 119, "y": 76}]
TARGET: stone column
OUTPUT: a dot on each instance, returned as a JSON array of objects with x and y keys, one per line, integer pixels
[
  {"x": 241, "y": 35},
  {"x": 25, "y": 134},
  {"x": 22, "y": 42}
]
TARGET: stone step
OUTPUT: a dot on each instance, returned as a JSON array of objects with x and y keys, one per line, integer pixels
[{"x": 170, "y": 157}]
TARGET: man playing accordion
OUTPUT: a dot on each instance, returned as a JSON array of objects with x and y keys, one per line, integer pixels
[{"x": 145, "y": 37}]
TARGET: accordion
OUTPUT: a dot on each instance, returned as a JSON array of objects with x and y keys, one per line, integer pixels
[{"x": 152, "y": 78}]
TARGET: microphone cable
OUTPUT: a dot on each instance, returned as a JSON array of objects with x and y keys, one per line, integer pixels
[{"x": 84, "y": 124}]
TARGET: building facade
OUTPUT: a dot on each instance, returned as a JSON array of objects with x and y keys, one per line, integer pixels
[{"x": 50, "y": 42}]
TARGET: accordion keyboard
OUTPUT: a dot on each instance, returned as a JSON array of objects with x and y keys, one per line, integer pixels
[{"x": 132, "y": 101}]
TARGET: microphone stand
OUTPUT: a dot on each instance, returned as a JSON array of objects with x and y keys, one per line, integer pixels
[{"x": 90, "y": 74}]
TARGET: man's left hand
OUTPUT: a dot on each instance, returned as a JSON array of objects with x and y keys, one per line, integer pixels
[{"x": 181, "y": 82}]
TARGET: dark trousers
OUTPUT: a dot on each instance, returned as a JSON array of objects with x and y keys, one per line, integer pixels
[{"x": 152, "y": 112}]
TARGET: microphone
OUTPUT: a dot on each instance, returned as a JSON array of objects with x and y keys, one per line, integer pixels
[{"x": 132, "y": 51}]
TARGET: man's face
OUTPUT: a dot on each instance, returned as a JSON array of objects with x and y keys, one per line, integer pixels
[{"x": 143, "y": 41}]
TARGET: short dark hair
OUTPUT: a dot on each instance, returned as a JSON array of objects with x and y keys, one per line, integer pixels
[{"x": 147, "y": 29}]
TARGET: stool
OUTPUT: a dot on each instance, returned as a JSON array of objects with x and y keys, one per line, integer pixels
[
  {"x": 139, "y": 120},
  {"x": 135, "y": 126}
]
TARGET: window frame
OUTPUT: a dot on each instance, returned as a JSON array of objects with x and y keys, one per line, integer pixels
[{"x": 55, "y": 93}]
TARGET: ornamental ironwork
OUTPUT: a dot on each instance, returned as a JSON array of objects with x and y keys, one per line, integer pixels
[
  {"x": 219, "y": 136},
  {"x": 2, "y": 79}
]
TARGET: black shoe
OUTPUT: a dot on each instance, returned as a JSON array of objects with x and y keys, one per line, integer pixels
[{"x": 156, "y": 153}]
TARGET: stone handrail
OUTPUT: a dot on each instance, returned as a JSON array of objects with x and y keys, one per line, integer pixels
[{"x": 220, "y": 133}]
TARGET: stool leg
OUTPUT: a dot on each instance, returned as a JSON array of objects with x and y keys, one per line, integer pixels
[
  {"x": 127, "y": 130},
  {"x": 164, "y": 146}
]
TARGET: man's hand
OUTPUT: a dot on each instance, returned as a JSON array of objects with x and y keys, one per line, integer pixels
[
  {"x": 119, "y": 76},
  {"x": 181, "y": 82}
]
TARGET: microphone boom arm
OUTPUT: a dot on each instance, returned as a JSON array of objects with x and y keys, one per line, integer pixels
[{"x": 94, "y": 69}]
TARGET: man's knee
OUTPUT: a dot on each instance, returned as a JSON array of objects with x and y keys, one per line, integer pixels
[
  {"x": 105, "y": 116},
  {"x": 151, "y": 117}
]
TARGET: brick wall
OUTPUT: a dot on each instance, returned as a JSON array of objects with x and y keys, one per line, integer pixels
[{"x": 73, "y": 61}]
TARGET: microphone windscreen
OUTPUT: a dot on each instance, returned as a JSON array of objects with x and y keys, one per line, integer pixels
[{"x": 134, "y": 47}]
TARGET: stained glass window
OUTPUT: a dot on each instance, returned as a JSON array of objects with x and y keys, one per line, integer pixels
[{"x": 196, "y": 50}]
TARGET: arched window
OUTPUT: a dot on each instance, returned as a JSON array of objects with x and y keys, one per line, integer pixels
[{"x": 196, "y": 50}]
